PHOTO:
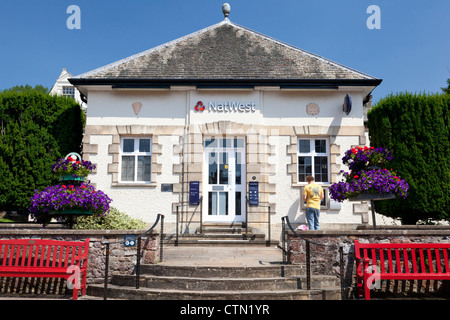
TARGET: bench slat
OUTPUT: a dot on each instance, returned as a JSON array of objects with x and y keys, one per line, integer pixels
[
  {"x": 397, "y": 261},
  {"x": 414, "y": 260},
  {"x": 446, "y": 260},
  {"x": 381, "y": 252},
  {"x": 413, "y": 276},
  {"x": 391, "y": 267},
  {"x": 405, "y": 259},
  {"x": 438, "y": 261},
  {"x": 430, "y": 261}
]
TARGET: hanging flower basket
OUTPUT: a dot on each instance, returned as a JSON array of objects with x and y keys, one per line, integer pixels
[
  {"x": 367, "y": 180},
  {"x": 72, "y": 167},
  {"x": 73, "y": 197},
  {"x": 68, "y": 200}
]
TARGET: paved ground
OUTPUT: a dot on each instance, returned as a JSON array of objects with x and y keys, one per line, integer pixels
[{"x": 221, "y": 256}]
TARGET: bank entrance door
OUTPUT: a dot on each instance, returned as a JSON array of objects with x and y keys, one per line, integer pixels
[{"x": 224, "y": 180}]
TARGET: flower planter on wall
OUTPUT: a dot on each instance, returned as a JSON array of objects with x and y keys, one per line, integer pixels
[
  {"x": 76, "y": 212},
  {"x": 70, "y": 177}
]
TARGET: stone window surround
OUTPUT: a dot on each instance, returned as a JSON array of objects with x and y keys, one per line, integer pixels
[{"x": 117, "y": 133}]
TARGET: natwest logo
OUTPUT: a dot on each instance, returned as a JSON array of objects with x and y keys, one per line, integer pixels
[
  {"x": 199, "y": 106},
  {"x": 226, "y": 106}
]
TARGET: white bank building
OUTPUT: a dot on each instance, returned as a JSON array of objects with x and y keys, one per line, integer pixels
[{"x": 223, "y": 125}]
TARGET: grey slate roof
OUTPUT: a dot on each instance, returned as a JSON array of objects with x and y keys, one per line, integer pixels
[{"x": 225, "y": 51}]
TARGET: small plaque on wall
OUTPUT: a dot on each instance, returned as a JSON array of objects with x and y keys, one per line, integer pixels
[
  {"x": 167, "y": 187},
  {"x": 312, "y": 109}
]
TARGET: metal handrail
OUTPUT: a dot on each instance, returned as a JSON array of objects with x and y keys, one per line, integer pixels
[
  {"x": 138, "y": 253},
  {"x": 268, "y": 220},
  {"x": 180, "y": 221},
  {"x": 308, "y": 252}
]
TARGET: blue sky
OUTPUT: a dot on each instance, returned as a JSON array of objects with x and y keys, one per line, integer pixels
[{"x": 410, "y": 52}]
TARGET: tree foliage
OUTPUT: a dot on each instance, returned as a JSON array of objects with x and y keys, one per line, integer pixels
[
  {"x": 416, "y": 128},
  {"x": 446, "y": 90},
  {"x": 35, "y": 130},
  {"x": 27, "y": 88}
]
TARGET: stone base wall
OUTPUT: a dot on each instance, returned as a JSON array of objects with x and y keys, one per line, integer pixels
[
  {"x": 122, "y": 260},
  {"x": 325, "y": 256}
]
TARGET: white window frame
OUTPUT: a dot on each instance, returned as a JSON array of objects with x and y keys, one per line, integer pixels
[
  {"x": 136, "y": 154},
  {"x": 67, "y": 94},
  {"x": 312, "y": 153}
]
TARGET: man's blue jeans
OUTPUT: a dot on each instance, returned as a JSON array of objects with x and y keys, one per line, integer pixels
[{"x": 312, "y": 217}]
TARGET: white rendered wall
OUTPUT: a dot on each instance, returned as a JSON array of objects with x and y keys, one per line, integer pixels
[{"x": 280, "y": 108}]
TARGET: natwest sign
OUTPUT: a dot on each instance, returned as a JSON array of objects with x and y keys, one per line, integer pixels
[{"x": 226, "y": 106}]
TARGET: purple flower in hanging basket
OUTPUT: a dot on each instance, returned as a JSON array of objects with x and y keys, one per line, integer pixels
[
  {"x": 361, "y": 158},
  {"x": 63, "y": 197},
  {"x": 70, "y": 166},
  {"x": 366, "y": 176}
]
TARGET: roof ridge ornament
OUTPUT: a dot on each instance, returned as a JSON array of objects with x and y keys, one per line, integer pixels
[{"x": 226, "y": 10}]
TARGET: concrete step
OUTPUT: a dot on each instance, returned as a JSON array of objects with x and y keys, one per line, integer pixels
[
  {"x": 218, "y": 239},
  {"x": 263, "y": 271},
  {"x": 213, "y": 234},
  {"x": 122, "y": 292},
  {"x": 225, "y": 284},
  {"x": 218, "y": 229}
]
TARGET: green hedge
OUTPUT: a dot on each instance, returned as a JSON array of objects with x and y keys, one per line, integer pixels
[
  {"x": 35, "y": 130},
  {"x": 416, "y": 128}
]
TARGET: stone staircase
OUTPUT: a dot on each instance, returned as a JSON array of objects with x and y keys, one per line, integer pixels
[
  {"x": 220, "y": 234},
  {"x": 220, "y": 272},
  {"x": 159, "y": 282}
]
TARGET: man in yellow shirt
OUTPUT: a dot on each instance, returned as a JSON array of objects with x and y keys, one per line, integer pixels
[{"x": 312, "y": 194}]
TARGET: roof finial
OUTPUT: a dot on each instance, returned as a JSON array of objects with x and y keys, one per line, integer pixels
[{"x": 226, "y": 10}]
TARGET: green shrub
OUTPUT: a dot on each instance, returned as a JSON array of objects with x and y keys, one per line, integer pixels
[
  {"x": 416, "y": 128},
  {"x": 115, "y": 220},
  {"x": 36, "y": 129}
]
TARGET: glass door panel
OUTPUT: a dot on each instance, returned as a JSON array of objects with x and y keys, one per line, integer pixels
[
  {"x": 224, "y": 177},
  {"x": 224, "y": 167}
]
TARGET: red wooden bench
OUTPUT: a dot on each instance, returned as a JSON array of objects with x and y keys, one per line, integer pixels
[
  {"x": 399, "y": 261},
  {"x": 46, "y": 259}
]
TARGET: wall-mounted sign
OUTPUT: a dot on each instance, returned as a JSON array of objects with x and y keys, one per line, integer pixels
[
  {"x": 253, "y": 193},
  {"x": 166, "y": 187},
  {"x": 194, "y": 192},
  {"x": 129, "y": 240},
  {"x": 225, "y": 106}
]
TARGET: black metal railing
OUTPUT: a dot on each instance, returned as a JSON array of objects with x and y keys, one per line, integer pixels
[
  {"x": 269, "y": 214},
  {"x": 285, "y": 221},
  {"x": 159, "y": 218},
  {"x": 179, "y": 220}
]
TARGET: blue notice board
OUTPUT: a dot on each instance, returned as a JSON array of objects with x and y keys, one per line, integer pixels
[
  {"x": 253, "y": 193},
  {"x": 194, "y": 192}
]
